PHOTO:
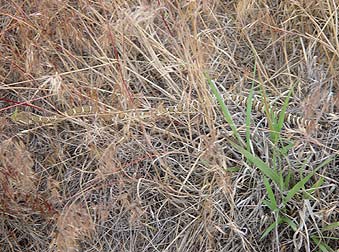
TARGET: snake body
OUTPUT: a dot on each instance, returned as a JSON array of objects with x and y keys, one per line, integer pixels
[
  {"x": 28, "y": 118},
  {"x": 113, "y": 115},
  {"x": 258, "y": 105}
]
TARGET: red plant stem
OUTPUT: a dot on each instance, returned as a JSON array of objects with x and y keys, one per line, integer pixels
[
  {"x": 165, "y": 23},
  {"x": 116, "y": 55},
  {"x": 26, "y": 103}
]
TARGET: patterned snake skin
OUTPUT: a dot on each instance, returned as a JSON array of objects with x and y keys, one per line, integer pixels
[
  {"x": 108, "y": 114},
  {"x": 113, "y": 115},
  {"x": 289, "y": 118}
]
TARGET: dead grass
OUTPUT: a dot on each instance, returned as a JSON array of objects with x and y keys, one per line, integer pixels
[{"x": 174, "y": 183}]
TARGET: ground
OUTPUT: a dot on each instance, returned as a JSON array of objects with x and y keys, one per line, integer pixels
[{"x": 196, "y": 171}]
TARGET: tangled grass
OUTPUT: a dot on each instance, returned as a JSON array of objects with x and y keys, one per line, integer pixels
[{"x": 216, "y": 177}]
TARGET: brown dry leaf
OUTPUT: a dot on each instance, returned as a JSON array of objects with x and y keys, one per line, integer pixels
[
  {"x": 102, "y": 211},
  {"x": 244, "y": 10},
  {"x": 336, "y": 100},
  {"x": 132, "y": 205},
  {"x": 54, "y": 187},
  {"x": 74, "y": 223},
  {"x": 16, "y": 166},
  {"x": 109, "y": 162}
]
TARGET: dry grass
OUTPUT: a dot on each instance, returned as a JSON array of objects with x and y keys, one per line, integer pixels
[{"x": 174, "y": 183}]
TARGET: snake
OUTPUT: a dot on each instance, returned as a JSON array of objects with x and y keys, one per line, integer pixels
[
  {"x": 290, "y": 118},
  {"x": 29, "y": 118}
]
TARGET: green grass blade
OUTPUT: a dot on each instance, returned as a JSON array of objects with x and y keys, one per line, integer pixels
[
  {"x": 283, "y": 112},
  {"x": 249, "y": 112},
  {"x": 269, "y": 204},
  {"x": 287, "y": 179},
  {"x": 15, "y": 113},
  {"x": 271, "y": 227},
  {"x": 316, "y": 185},
  {"x": 334, "y": 225},
  {"x": 286, "y": 148},
  {"x": 290, "y": 223},
  {"x": 296, "y": 188},
  {"x": 224, "y": 108},
  {"x": 270, "y": 194},
  {"x": 322, "y": 246},
  {"x": 279, "y": 221},
  {"x": 278, "y": 123},
  {"x": 248, "y": 119},
  {"x": 261, "y": 165}
]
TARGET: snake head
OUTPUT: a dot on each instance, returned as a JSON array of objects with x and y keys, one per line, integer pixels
[{"x": 22, "y": 117}]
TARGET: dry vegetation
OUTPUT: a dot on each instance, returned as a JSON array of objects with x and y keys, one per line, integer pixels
[{"x": 177, "y": 182}]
